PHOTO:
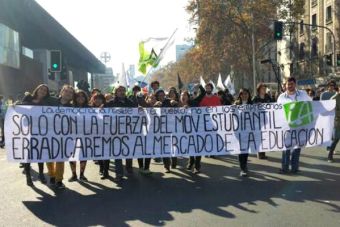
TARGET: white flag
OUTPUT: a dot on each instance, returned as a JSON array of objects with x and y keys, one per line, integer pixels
[
  {"x": 220, "y": 85},
  {"x": 122, "y": 80},
  {"x": 202, "y": 82},
  {"x": 214, "y": 91},
  {"x": 229, "y": 85}
]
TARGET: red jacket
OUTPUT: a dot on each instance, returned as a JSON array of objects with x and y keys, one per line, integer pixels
[{"x": 213, "y": 100}]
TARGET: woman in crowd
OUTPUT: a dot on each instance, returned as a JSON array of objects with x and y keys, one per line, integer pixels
[
  {"x": 186, "y": 101},
  {"x": 244, "y": 98},
  {"x": 261, "y": 97},
  {"x": 56, "y": 169},
  {"x": 80, "y": 101},
  {"x": 39, "y": 97},
  {"x": 162, "y": 101},
  {"x": 99, "y": 101}
]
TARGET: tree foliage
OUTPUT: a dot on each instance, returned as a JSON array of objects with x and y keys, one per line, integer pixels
[{"x": 223, "y": 38}]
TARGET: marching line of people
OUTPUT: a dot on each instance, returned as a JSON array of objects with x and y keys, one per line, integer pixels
[{"x": 200, "y": 97}]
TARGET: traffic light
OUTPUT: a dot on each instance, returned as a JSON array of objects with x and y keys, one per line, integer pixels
[
  {"x": 63, "y": 73},
  {"x": 51, "y": 75},
  {"x": 338, "y": 60},
  {"x": 55, "y": 65},
  {"x": 329, "y": 61},
  {"x": 278, "y": 30}
]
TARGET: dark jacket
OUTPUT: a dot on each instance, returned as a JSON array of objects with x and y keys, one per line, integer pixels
[
  {"x": 48, "y": 101},
  {"x": 121, "y": 102},
  {"x": 266, "y": 99},
  {"x": 196, "y": 101}
]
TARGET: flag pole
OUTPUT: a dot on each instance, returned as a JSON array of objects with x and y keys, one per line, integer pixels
[{"x": 160, "y": 54}]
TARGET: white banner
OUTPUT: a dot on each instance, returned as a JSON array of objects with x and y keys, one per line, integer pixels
[{"x": 44, "y": 134}]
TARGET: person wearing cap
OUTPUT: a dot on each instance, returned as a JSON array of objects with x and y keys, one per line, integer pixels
[
  {"x": 331, "y": 91},
  {"x": 261, "y": 97}
]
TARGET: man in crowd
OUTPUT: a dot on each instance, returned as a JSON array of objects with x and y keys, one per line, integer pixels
[
  {"x": 2, "y": 121},
  {"x": 120, "y": 100},
  {"x": 291, "y": 95},
  {"x": 210, "y": 99},
  {"x": 336, "y": 135},
  {"x": 327, "y": 95}
]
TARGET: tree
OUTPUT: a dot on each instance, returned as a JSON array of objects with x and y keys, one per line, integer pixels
[{"x": 223, "y": 38}]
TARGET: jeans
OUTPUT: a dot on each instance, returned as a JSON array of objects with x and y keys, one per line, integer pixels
[
  {"x": 332, "y": 148},
  {"x": 195, "y": 160},
  {"x": 170, "y": 161},
  {"x": 294, "y": 161},
  {"x": 144, "y": 163},
  {"x": 243, "y": 159},
  {"x": 27, "y": 167}
]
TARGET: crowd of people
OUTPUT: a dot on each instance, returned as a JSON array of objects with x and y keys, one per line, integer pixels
[{"x": 158, "y": 97}]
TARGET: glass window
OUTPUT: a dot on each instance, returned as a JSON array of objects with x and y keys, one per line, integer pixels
[
  {"x": 9, "y": 47},
  {"x": 302, "y": 26},
  {"x": 329, "y": 13},
  {"x": 314, "y": 23}
]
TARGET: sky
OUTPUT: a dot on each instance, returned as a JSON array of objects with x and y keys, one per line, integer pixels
[{"x": 117, "y": 26}]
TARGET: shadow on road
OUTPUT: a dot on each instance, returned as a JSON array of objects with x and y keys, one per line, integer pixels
[{"x": 151, "y": 200}]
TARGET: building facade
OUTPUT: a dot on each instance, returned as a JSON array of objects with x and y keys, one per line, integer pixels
[
  {"x": 181, "y": 50},
  {"x": 316, "y": 49},
  {"x": 27, "y": 35}
]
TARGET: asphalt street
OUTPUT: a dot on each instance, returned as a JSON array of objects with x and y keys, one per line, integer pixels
[{"x": 216, "y": 197}]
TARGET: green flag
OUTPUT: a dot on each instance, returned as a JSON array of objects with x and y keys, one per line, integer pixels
[{"x": 146, "y": 59}]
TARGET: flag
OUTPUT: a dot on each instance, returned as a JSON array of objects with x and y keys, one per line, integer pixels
[
  {"x": 202, "y": 82},
  {"x": 214, "y": 91},
  {"x": 146, "y": 59},
  {"x": 122, "y": 79},
  {"x": 229, "y": 85},
  {"x": 180, "y": 82},
  {"x": 168, "y": 44},
  {"x": 220, "y": 83},
  {"x": 152, "y": 56}
]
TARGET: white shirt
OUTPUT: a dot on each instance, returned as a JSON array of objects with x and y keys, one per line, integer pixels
[{"x": 299, "y": 95}]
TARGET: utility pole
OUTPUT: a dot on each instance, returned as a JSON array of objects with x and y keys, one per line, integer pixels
[{"x": 253, "y": 50}]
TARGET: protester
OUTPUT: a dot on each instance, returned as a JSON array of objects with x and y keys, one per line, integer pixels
[
  {"x": 81, "y": 100},
  {"x": 261, "y": 97},
  {"x": 173, "y": 95},
  {"x": 327, "y": 95},
  {"x": 291, "y": 95},
  {"x": 154, "y": 86},
  {"x": 186, "y": 101},
  {"x": 210, "y": 100},
  {"x": 56, "y": 169},
  {"x": 162, "y": 101},
  {"x": 108, "y": 97},
  {"x": 99, "y": 101},
  {"x": 243, "y": 98},
  {"x": 317, "y": 95},
  {"x": 336, "y": 134},
  {"x": 135, "y": 92},
  {"x": 2, "y": 122},
  {"x": 311, "y": 93},
  {"x": 40, "y": 97},
  {"x": 121, "y": 101}
]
